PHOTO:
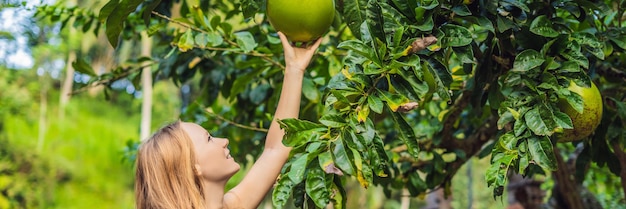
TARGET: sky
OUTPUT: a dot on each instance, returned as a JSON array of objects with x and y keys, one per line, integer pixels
[{"x": 16, "y": 53}]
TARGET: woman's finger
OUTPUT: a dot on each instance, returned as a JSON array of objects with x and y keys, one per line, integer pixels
[
  {"x": 316, "y": 44},
  {"x": 283, "y": 40}
]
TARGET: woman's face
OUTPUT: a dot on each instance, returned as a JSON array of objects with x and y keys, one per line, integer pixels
[{"x": 214, "y": 160}]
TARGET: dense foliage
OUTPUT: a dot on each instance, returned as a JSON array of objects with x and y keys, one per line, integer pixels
[{"x": 402, "y": 92}]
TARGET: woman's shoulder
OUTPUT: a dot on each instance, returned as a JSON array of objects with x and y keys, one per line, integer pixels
[{"x": 232, "y": 201}]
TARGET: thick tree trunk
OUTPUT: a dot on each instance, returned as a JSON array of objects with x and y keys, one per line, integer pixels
[
  {"x": 43, "y": 112},
  {"x": 405, "y": 202},
  {"x": 146, "y": 87},
  {"x": 524, "y": 192},
  {"x": 621, "y": 156},
  {"x": 68, "y": 82},
  {"x": 568, "y": 190},
  {"x": 438, "y": 200}
]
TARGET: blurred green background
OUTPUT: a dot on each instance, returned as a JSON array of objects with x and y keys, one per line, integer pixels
[{"x": 76, "y": 156}]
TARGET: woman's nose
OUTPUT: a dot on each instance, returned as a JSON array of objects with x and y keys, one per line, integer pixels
[{"x": 226, "y": 141}]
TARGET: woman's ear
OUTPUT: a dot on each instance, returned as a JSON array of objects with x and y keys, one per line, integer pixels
[{"x": 197, "y": 170}]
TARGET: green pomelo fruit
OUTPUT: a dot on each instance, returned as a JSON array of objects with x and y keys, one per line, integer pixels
[
  {"x": 301, "y": 20},
  {"x": 587, "y": 121}
]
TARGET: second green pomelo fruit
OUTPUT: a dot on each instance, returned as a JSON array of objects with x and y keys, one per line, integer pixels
[
  {"x": 587, "y": 121},
  {"x": 301, "y": 20}
]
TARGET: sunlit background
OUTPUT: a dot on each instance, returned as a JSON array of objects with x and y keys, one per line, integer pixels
[{"x": 75, "y": 154}]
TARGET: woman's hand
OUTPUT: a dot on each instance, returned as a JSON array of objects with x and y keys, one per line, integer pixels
[{"x": 298, "y": 58}]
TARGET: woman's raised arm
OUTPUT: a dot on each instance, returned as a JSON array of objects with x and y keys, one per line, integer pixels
[{"x": 253, "y": 188}]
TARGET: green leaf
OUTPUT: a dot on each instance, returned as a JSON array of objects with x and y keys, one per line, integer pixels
[
  {"x": 518, "y": 4},
  {"x": 406, "y": 7},
  {"x": 361, "y": 49},
  {"x": 115, "y": 21},
  {"x": 242, "y": 81},
  {"x": 574, "y": 100},
  {"x": 427, "y": 25},
  {"x": 417, "y": 185},
  {"x": 375, "y": 104},
  {"x": 186, "y": 41},
  {"x": 619, "y": 41},
  {"x": 574, "y": 54},
  {"x": 340, "y": 156},
  {"x": 201, "y": 39},
  {"x": 543, "y": 26},
  {"x": 455, "y": 36},
  {"x": 81, "y": 66},
  {"x": 297, "y": 125},
  {"x": 298, "y": 166},
  {"x": 407, "y": 135},
  {"x": 215, "y": 22},
  {"x": 540, "y": 120},
  {"x": 585, "y": 38},
  {"x": 354, "y": 15},
  {"x": 563, "y": 120},
  {"x": 569, "y": 67},
  {"x": 429, "y": 4},
  {"x": 295, "y": 139},
  {"x": 339, "y": 196},
  {"x": 461, "y": 10},
  {"x": 215, "y": 39},
  {"x": 147, "y": 13},
  {"x": 363, "y": 172},
  {"x": 519, "y": 127},
  {"x": 375, "y": 21},
  {"x": 540, "y": 149},
  {"x": 350, "y": 138},
  {"x": 249, "y": 8},
  {"x": 379, "y": 157},
  {"x": 107, "y": 9},
  {"x": 465, "y": 54},
  {"x": 282, "y": 192},
  {"x": 333, "y": 120},
  {"x": 526, "y": 60},
  {"x": 394, "y": 101},
  {"x": 299, "y": 194},
  {"x": 317, "y": 187},
  {"x": 310, "y": 91},
  {"x": 246, "y": 41},
  {"x": 504, "y": 24}
]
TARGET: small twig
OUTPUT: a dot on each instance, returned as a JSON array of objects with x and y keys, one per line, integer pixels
[
  {"x": 219, "y": 117},
  {"x": 265, "y": 57},
  {"x": 102, "y": 82},
  {"x": 179, "y": 23}
]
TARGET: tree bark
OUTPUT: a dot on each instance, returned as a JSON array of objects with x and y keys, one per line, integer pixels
[
  {"x": 438, "y": 200},
  {"x": 568, "y": 190},
  {"x": 146, "y": 87},
  {"x": 524, "y": 192},
  {"x": 68, "y": 82},
  {"x": 43, "y": 111},
  {"x": 621, "y": 156},
  {"x": 405, "y": 201}
]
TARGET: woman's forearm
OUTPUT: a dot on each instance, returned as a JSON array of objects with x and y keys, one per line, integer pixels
[{"x": 288, "y": 107}]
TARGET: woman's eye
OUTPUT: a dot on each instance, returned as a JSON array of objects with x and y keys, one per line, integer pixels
[{"x": 209, "y": 138}]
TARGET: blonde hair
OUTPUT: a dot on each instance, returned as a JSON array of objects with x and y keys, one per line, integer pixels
[{"x": 166, "y": 176}]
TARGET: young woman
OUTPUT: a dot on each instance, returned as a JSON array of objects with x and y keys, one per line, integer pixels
[{"x": 183, "y": 166}]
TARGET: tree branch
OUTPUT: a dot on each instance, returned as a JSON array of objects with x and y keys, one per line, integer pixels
[
  {"x": 266, "y": 57},
  {"x": 107, "y": 81},
  {"x": 565, "y": 184},
  {"x": 621, "y": 156},
  {"x": 219, "y": 117}
]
